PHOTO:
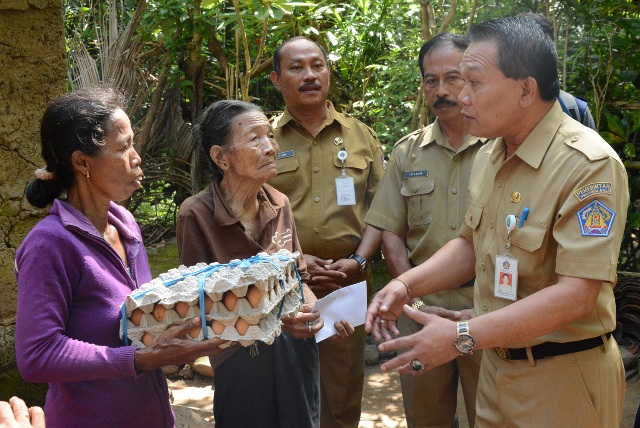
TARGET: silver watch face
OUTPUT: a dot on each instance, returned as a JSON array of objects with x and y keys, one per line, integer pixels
[{"x": 464, "y": 343}]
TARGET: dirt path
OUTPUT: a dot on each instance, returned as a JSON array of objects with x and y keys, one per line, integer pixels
[{"x": 381, "y": 403}]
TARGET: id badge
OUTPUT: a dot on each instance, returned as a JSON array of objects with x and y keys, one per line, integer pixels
[
  {"x": 345, "y": 190},
  {"x": 506, "y": 280}
]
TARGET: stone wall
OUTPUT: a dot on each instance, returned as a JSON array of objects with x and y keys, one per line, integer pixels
[{"x": 32, "y": 72}]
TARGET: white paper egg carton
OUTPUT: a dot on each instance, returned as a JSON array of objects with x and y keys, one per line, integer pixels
[{"x": 274, "y": 277}]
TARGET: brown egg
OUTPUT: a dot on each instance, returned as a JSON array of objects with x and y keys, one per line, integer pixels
[
  {"x": 242, "y": 326},
  {"x": 254, "y": 296},
  {"x": 148, "y": 339},
  {"x": 195, "y": 332},
  {"x": 158, "y": 312},
  {"x": 136, "y": 316},
  {"x": 208, "y": 303},
  {"x": 181, "y": 309},
  {"x": 229, "y": 300},
  {"x": 217, "y": 327}
]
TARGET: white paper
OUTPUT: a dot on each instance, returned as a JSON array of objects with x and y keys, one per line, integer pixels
[{"x": 348, "y": 303}]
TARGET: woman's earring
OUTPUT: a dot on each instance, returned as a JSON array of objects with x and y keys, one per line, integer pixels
[{"x": 87, "y": 173}]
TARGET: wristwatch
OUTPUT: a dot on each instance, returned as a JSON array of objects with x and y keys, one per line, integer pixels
[
  {"x": 464, "y": 342},
  {"x": 361, "y": 261}
]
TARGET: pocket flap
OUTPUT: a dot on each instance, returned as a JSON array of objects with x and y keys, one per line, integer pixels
[
  {"x": 418, "y": 186},
  {"x": 286, "y": 165},
  {"x": 530, "y": 236},
  {"x": 352, "y": 161}
]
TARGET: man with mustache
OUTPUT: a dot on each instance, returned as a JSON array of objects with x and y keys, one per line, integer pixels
[
  {"x": 420, "y": 206},
  {"x": 329, "y": 166}
]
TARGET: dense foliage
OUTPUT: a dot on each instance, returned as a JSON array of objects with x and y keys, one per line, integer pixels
[{"x": 185, "y": 55}]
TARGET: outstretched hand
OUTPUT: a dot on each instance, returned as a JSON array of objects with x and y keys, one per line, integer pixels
[
  {"x": 172, "y": 348},
  {"x": 385, "y": 309},
  {"x": 432, "y": 345}
]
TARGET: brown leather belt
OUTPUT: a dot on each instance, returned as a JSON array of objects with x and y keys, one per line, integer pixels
[{"x": 550, "y": 349}]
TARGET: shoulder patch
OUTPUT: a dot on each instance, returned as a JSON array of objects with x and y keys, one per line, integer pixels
[
  {"x": 592, "y": 189},
  {"x": 596, "y": 219}
]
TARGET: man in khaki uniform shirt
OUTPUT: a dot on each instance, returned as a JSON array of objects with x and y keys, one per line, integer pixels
[
  {"x": 311, "y": 134},
  {"x": 420, "y": 206},
  {"x": 554, "y": 362}
]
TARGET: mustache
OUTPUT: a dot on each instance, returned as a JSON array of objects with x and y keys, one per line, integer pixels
[
  {"x": 314, "y": 86},
  {"x": 444, "y": 102}
]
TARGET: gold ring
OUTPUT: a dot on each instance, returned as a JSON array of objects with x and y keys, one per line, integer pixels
[
  {"x": 383, "y": 321},
  {"x": 25, "y": 415}
]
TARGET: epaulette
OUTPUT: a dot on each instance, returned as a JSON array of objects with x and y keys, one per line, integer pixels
[
  {"x": 406, "y": 137},
  {"x": 593, "y": 152}
]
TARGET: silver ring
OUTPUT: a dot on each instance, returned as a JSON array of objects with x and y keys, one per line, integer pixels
[
  {"x": 417, "y": 365},
  {"x": 309, "y": 326},
  {"x": 383, "y": 321}
]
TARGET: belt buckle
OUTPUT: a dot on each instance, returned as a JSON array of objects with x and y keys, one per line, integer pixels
[{"x": 503, "y": 353}]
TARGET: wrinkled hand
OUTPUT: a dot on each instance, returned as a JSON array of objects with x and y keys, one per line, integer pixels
[
  {"x": 303, "y": 325},
  {"x": 15, "y": 414},
  {"x": 385, "y": 309},
  {"x": 317, "y": 269},
  {"x": 172, "y": 348},
  {"x": 432, "y": 345},
  {"x": 344, "y": 331}
]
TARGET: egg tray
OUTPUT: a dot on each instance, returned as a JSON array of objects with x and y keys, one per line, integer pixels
[{"x": 275, "y": 276}]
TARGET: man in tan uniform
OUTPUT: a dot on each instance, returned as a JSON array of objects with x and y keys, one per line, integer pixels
[
  {"x": 329, "y": 166},
  {"x": 547, "y": 205},
  {"x": 420, "y": 206}
]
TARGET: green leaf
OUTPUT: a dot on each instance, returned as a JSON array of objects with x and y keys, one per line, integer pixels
[
  {"x": 615, "y": 125},
  {"x": 629, "y": 150}
]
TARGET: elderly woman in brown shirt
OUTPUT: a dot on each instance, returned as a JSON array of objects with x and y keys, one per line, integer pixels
[{"x": 237, "y": 216}]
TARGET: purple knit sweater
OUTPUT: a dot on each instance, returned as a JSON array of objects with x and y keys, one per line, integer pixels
[{"x": 71, "y": 284}]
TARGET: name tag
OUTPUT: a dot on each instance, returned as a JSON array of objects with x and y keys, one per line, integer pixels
[
  {"x": 409, "y": 174},
  {"x": 287, "y": 154}
]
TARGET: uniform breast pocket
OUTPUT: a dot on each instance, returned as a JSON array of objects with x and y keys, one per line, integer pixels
[
  {"x": 353, "y": 164},
  {"x": 285, "y": 181},
  {"x": 419, "y": 193},
  {"x": 527, "y": 246}
]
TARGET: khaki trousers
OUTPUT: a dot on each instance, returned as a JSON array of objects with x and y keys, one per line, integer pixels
[{"x": 582, "y": 390}]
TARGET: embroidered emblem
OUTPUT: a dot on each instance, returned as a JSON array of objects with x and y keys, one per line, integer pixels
[
  {"x": 515, "y": 197},
  {"x": 596, "y": 219},
  {"x": 281, "y": 239},
  {"x": 409, "y": 174},
  {"x": 592, "y": 189},
  {"x": 287, "y": 154}
]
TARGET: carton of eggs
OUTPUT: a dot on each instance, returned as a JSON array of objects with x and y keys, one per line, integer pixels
[{"x": 241, "y": 301}]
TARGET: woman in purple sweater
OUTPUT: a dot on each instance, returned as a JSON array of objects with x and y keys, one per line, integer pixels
[{"x": 77, "y": 266}]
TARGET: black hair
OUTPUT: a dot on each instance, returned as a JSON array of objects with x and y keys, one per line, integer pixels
[
  {"x": 277, "y": 56},
  {"x": 459, "y": 42},
  {"x": 542, "y": 21},
  {"x": 523, "y": 50},
  {"x": 215, "y": 127},
  {"x": 73, "y": 121}
]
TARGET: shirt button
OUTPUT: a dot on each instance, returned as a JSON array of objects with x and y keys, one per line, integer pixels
[
  {"x": 316, "y": 169},
  {"x": 485, "y": 307},
  {"x": 491, "y": 224},
  {"x": 499, "y": 183},
  {"x": 454, "y": 190},
  {"x": 454, "y": 226},
  {"x": 483, "y": 266},
  {"x": 316, "y": 230},
  {"x": 315, "y": 143},
  {"x": 317, "y": 199}
]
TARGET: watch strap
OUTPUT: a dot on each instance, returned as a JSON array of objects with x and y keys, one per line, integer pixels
[{"x": 361, "y": 261}]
